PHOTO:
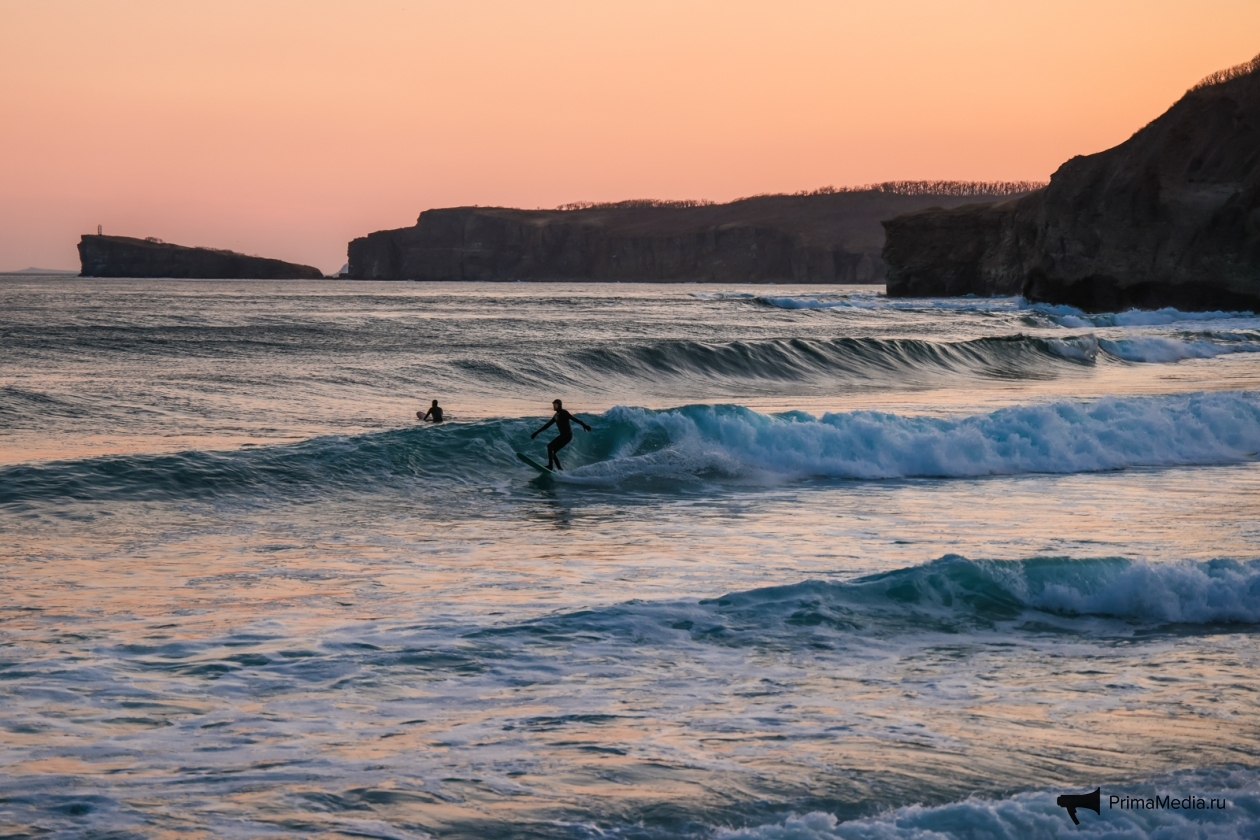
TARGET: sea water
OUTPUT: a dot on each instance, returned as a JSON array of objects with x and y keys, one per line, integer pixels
[{"x": 828, "y": 565}]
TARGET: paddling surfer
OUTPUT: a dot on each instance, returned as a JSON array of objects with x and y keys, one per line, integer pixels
[
  {"x": 562, "y": 419},
  {"x": 434, "y": 413}
]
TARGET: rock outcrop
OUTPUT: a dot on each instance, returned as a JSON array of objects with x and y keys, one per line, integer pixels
[
  {"x": 1170, "y": 217},
  {"x": 823, "y": 237},
  {"x": 123, "y": 256}
]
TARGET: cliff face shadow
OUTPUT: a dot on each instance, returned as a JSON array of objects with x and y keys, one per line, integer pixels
[
  {"x": 827, "y": 236},
  {"x": 1170, "y": 217}
]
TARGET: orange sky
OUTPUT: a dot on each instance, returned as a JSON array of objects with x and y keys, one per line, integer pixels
[{"x": 287, "y": 128}]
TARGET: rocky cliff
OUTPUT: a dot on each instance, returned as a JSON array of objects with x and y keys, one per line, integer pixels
[
  {"x": 823, "y": 237},
  {"x": 123, "y": 256},
  {"x": 1170, "y": 217}
]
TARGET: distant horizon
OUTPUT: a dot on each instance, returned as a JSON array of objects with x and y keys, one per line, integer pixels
[{"x": 288, "y": 129}]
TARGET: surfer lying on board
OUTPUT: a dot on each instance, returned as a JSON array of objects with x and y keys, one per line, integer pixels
[
  {"x": 562, "y": 419},
  {"x": 434, "y": 413}
]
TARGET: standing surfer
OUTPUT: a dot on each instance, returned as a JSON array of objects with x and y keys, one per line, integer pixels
[
  {"x": 434, "y": 413},
  {"x": 562, "y": 419}
]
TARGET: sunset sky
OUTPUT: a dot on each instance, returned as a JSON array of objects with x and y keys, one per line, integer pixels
[{"x": 288, "y": 128}]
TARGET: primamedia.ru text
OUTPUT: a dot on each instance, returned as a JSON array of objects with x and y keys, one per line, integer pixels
[{"x": 1165, "y": 803}]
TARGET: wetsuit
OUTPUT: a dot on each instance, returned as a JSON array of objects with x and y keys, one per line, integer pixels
[
  {"x": 562, "y": 419},
  {"x": 434, "y": 414}
]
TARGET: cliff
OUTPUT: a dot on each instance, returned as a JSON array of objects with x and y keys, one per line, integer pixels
[
  {"x": 123, "y": 256},
  {"x": 823, "y": 237},
  {"x": 1170, "y": 217}
]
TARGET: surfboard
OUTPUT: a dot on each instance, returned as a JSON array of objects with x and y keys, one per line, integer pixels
[{"x": 533, "y": 463}]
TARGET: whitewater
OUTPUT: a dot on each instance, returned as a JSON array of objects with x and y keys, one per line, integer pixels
[{"x": 829, "y": 565}]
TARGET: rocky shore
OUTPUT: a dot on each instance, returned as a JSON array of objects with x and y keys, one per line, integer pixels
[
  {"x": 1170, "y": 217},
  {"x": 123, "y": 256},
  {"x": 822, "y": 237}
]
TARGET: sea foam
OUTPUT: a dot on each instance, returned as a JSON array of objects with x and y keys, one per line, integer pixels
[
  {"x": 1155, "y": 349},
  {"x": 1033, "y": 815},
  {"x": 1060, "y": 437},
  {"x": 1070, "y": 316},
  {"x": 690, "y": 443}
]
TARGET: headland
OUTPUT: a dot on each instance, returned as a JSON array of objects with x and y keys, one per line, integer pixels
[
  {"x": 124, "y": 256},
  {"x": 824, "y": 236},
  {"x": 1170, "y": 217}
]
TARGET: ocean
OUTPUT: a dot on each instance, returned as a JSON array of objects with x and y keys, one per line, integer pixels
[{"x": 828, "y": 565}]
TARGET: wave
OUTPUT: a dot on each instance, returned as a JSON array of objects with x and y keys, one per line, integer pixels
[
  {"x": 1102, "y": 597},
  {"x": 1154, "y": 349},
  {"x": 1070, "y": 316},
  {"x": 868, "y": 301},
  {"x": 1061, "y": 437},
  {"x": 1035, "y": 814},
  {"x": 864, "y": 358},
  {"x": 803, "y": 303},
  {"x": 21, "y": 406},
  {"x": 1059, "y": 314},
  {"x": 689, "y": 444},
  {"x": 955, "y": 590}
]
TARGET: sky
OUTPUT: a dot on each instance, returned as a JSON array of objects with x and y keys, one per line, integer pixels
[{"x": 286, "y": 128}]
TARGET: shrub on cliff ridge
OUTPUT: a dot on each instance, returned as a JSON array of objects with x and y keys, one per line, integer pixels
[
  {"x": 1229, "y": 73},
  {"x": 978, "y": 189},
  {"x": 634, "y": 204},
  {"x": 962, "y": 188}
]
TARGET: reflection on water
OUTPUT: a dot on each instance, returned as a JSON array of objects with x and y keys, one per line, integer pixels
[{"x": 407, "y": 633}]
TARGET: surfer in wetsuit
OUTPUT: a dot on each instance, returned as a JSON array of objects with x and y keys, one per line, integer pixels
[
  {"x": 434, "y": 413},
  {"x": 562, "y": 419}
]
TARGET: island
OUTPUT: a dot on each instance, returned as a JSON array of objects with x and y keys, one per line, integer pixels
[
  {"x": 1170, "y": 217},
  {"x": 124, "y": 256},
  {"x": 822, "y": 236}
]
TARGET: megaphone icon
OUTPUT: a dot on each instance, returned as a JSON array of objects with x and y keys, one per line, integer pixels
[{"x": 1072, "y": 801}]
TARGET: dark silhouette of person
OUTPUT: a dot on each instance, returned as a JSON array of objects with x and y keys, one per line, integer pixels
[
  {"x": 434, "y": 413},
  {"x": 562, "y": 419}
]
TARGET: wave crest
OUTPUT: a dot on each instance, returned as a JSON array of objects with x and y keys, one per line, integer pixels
[
  {"x": 954, "y": 590},
  {"x": 1062, "y": 437},
  {"x": 699, "y": 442}
]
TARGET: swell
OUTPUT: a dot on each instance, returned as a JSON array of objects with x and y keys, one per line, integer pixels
[
  {"x": 636, "y": 447},
  {"x": 954, "y": 589},
  {"x": 863, "y": 358},
  {"x": 894, "y": 362},
  {"x": 950, "y": 595}
]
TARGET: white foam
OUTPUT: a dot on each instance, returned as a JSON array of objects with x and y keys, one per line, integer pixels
[
  {"x": 1156, "y": 349},
  {"x": 1035, "y": 815},
  {"x": 1061, "y": 437},
  {"x": 802, "y": 303},
  {"x": 1070, "y": 316},
  {"x": 1189, "y": 593},
  {"x": 1082, "y": 348}
]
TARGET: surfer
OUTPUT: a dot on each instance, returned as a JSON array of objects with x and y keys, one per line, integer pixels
[
  {"x": 562, "y": 420},
  {"x": 434, "y": 413}
]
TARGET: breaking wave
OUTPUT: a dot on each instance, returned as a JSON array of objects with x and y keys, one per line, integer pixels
[
  {"x": 688, "y": 444},
  {"x": 1070, "y": 316},
  {"x": 1032, "y": 815},
  {"x": 1154, "y": 349},
  {"x": 1061, "y": 437},
  {"x": 948, "y": 595}
]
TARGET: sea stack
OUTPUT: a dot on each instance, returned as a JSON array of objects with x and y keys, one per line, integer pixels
[
  {"x": 1170, "y": 217},
  {"x": 123, "y": 256}
]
